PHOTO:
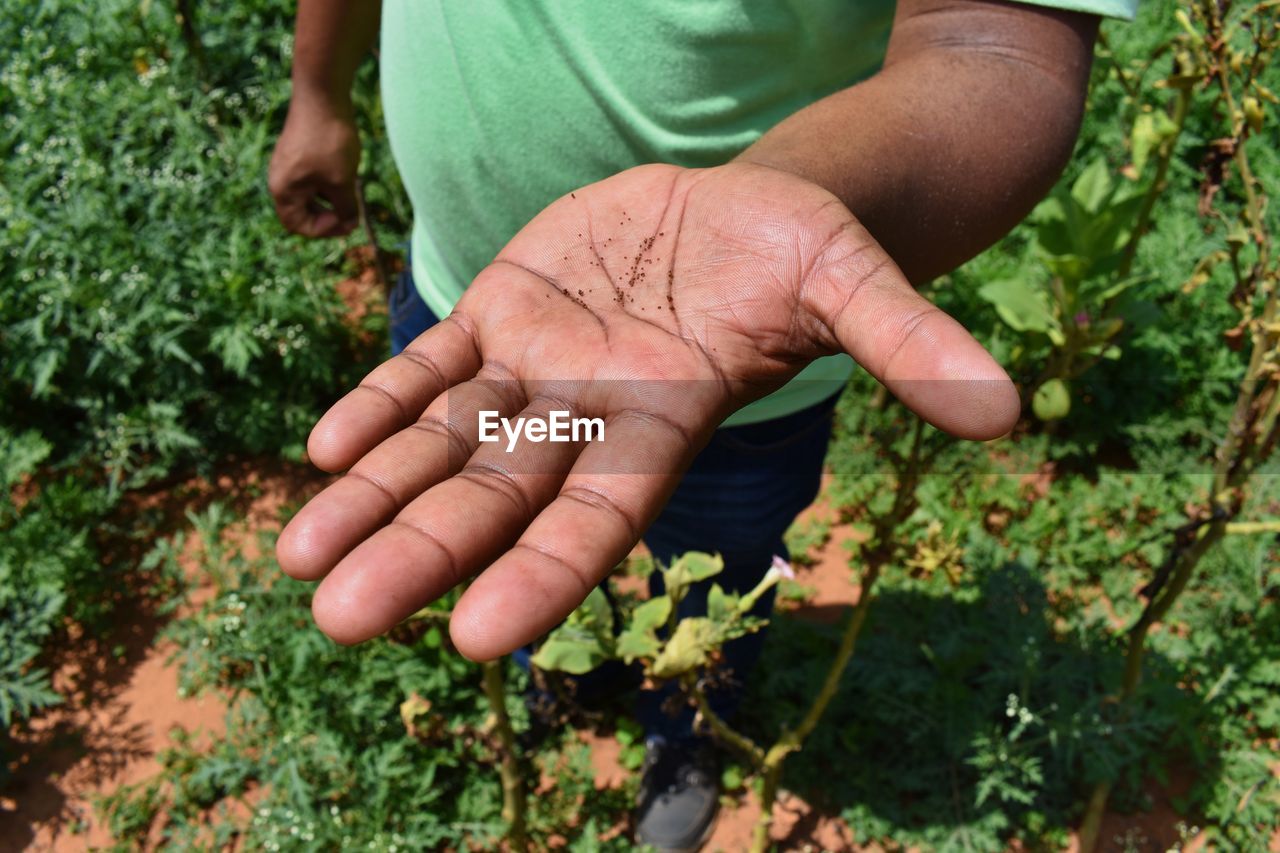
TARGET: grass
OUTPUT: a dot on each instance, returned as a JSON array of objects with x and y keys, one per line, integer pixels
[{"x": 160, "y": 324}]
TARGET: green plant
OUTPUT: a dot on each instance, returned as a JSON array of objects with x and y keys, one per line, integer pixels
[
  {"x": 31, "y": 597},
  {"x": 1226, "y": 50},
  {"x": 687, "y": 650},
  {"x": 1082, "y": 233},
  {"x": 150, "y": 324},
  {"x": 1087, "y": 235},
  {"x": 158, "y": 322}
]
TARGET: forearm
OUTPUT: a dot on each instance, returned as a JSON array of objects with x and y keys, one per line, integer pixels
[
  {"x": 331, "y": 38},
  {"x": 969, "y": 123}
]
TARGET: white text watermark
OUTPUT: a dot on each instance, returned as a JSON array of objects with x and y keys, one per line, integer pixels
[{"x": 557, "y": 426}]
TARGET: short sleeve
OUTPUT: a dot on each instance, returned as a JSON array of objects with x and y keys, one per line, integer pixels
[{"x": 1125, "y": 9}]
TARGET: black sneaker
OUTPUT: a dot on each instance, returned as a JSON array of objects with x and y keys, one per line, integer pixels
[{"x": 679, "y": 795}]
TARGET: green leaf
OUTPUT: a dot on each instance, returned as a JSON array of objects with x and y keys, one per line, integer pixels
[
  {"x": 237, "y": 348},
  {"x": 687, "y": 570},
  {"x": 42, "y": 373},
  {"x": 20, "y": 455},
  {"x": 633, "y": 644},
  {"x": 639, "y": 640},
  {"x": 720, "y": 604},
  {"x": 594, "y": 612},
  {"x": 1093, "y": 187},
  {"x": 1114, "y": 289},
  {"x": 1057, "y": 221},
  {"x": 1113, "y": 226},
  {"x": 628, "y": 731},
  {"x": 687, "y": 649},
  {"x": 731, "y": 778},
  {"x": 1142, "y": 140},
  {"x": 652, "y": 614},
  {"x": 1051, "y": 401},
  {"x": 1149, "y": 130},
  {"x": 174, "y": 350},
  {"x": 1070, "y": 267},
  {"x": 700, "y": 566},
  {"x": 1020, "y": 305},
  {"x": 632, "y": 757},
  {"x": 572, "y": 654},
  {"x": 583, "y": 642}
]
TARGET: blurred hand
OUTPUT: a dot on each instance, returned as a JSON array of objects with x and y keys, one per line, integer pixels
[
  {"x": 661, "y": 300},
  {"x": 312, "y": 175}
]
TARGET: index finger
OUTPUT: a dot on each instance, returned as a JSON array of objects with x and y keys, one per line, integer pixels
[
  {"x": 615, "y": 490},
  {"x": 394, "y": 394}
]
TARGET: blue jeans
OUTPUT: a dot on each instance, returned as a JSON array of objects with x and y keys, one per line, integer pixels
[{"x": 737, "y": 499}]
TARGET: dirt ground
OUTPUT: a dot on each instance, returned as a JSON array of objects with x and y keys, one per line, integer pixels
[
  {"x": 124, "y": 703},
  {"x": 122, "y": 694}
]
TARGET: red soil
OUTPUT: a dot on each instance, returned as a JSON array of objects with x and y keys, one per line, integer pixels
[
  {"x": 122, "y": 692},
  {"x": 123, "y": 698}
]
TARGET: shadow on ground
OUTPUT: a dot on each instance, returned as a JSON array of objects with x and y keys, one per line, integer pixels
[
  {"x": 86, "y": 745},
  {"x": 963, "y": 716}
]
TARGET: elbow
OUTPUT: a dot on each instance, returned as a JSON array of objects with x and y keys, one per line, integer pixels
[{"x": 1053, "y": 116}]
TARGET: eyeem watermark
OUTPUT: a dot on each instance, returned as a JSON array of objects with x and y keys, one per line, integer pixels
[{"x": 557, "y": 426}]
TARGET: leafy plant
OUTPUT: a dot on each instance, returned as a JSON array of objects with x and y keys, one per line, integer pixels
[
  {"x": 1225, "y": 54},
  {"x": 150, "y": 323},
  {"x": 159, "y": 322},
  {"x": 1084, "y": 235}
]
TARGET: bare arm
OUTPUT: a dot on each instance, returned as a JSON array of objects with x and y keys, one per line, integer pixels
[
  {"x": 967, "y": 125},
  {"x": 330, "y": 40},
  {"x": 313, "y": 168}
]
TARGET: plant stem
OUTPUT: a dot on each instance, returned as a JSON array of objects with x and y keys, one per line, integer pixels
[
  {"x": 1062, "y": 362},
  {"x": 1240, "y": 528},
  {"x": 187, "y": 21},
  {"x": 1151, "y": 614},
  {"x": 1164, "y": 156},
  {"x": 722, "y": 730},
  {"x": 1249, "y": 437},
  {"x": 1122, "y": 76},
  {"x": 379, "y": 262},
  {"x": 513, "y": 793},
  {"x": 792, "y": 740}
]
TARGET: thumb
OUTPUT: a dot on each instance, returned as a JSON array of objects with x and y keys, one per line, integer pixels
[{"x": 927, "y": 359}]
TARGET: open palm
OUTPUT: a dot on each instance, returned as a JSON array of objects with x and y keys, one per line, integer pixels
[{"x": 660, "y": 301}]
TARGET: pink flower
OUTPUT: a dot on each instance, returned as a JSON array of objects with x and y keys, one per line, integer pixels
[{"x": 783, "y": 568}]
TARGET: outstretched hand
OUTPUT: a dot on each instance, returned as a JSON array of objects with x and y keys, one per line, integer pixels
[{"x": 659, "y": 300}]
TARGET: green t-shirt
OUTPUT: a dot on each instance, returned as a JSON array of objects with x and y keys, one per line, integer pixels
[{"x": 495, "y": 108}]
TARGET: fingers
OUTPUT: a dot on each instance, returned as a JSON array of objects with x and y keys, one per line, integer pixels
[
  {"x": 346, "y": 211},
  {"x": 394, "y": 395},
  {"x": 389, "y": 477},
  {"x": 926, "y": 358},
  {"x": 441, "y": 538},
  {"x": 615, "y": 490},
  {"x": 304, "y": 210}
]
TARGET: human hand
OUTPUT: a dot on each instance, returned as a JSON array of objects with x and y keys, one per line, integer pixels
[
  {"x": 661, "y": 300},
  {"x": 312, "y": 176}
]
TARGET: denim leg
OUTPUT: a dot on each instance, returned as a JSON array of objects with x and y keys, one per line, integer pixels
[
  {"x": 407, "y": 314},
  {"x": 738, "y": 498}
]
